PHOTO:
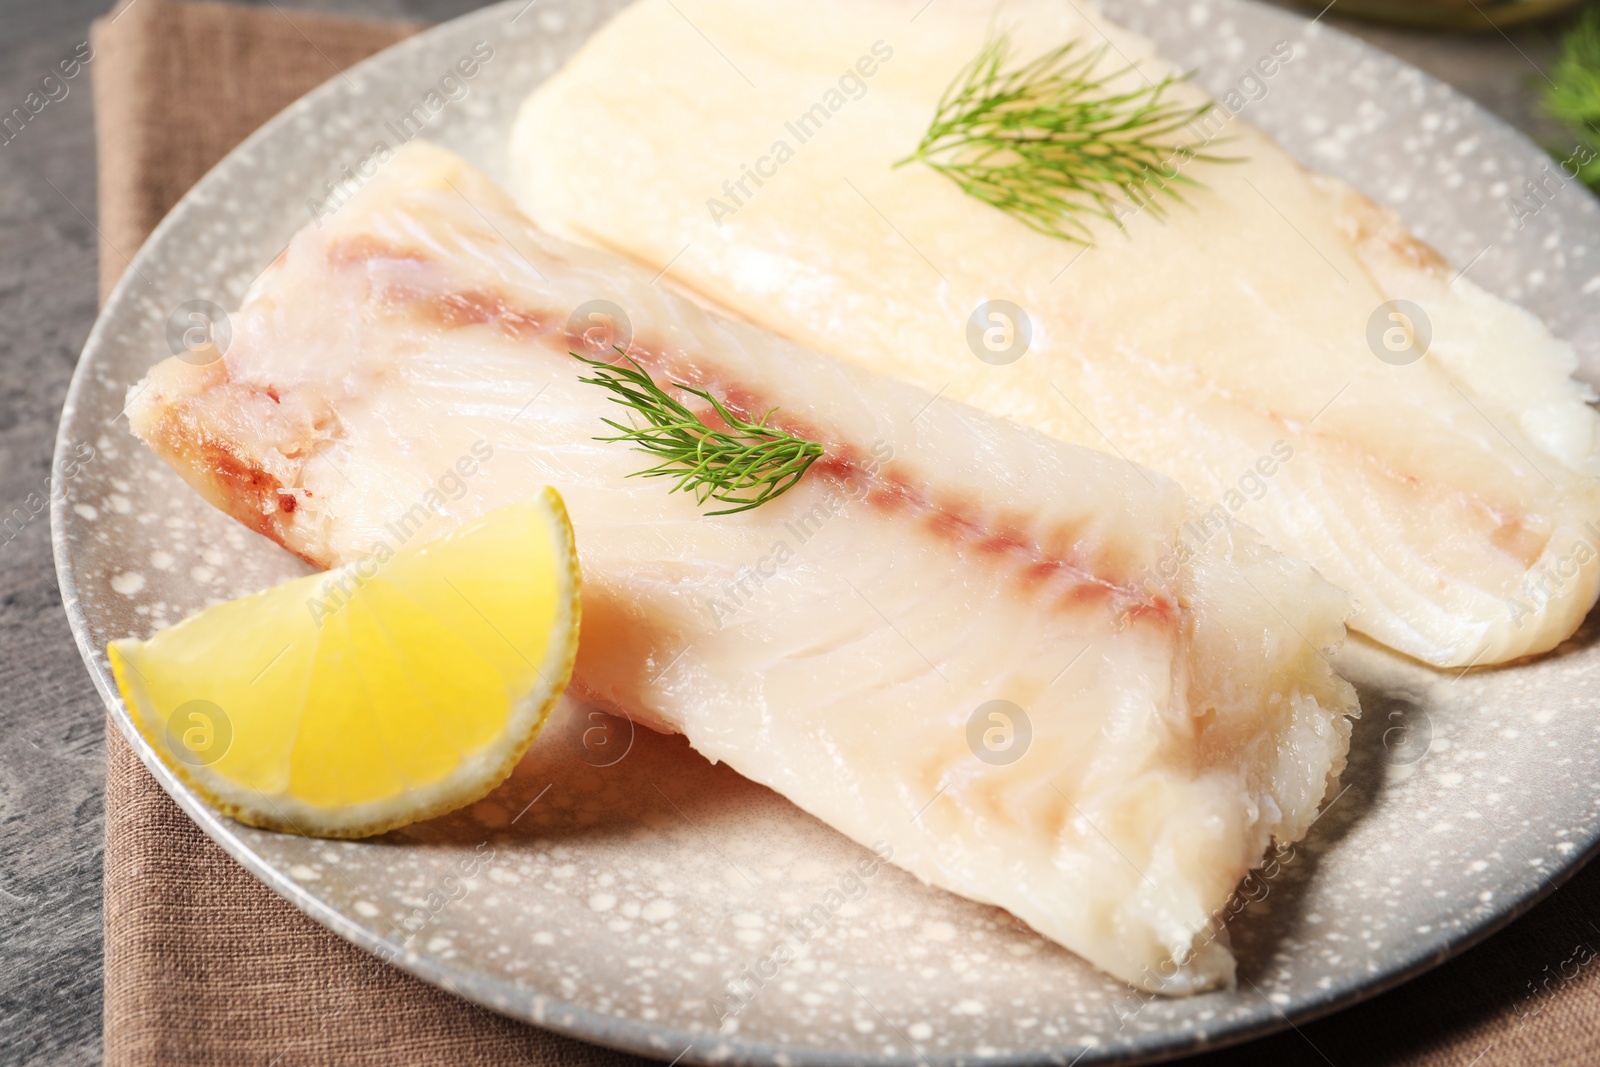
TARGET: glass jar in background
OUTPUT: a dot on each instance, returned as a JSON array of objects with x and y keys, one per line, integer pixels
[{"x": 1448, "y": 14}]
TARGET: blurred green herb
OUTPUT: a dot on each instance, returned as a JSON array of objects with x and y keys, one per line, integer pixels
[
  {"x": 1052, "y": 141},
  {"x": 1573, "y": 95},
  {"x": 745, "y": 465}
]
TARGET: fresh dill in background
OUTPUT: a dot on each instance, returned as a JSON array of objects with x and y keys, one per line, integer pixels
[
  {"x": 1573, "y": 94},
  {"x": 1051, "y": 142},
  {"x": 745, "y": 465}
]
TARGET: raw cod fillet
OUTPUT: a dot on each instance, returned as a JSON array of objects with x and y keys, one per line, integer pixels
[
  {"x": 835, "y": 643},
  {"x": 1450, "y": 497}
]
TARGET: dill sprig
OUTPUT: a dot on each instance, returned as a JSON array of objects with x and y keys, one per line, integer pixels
[
  {"x": 1573, "y": 95},
  {"x": 746, "y": 465},
  {"x": 1051, "y": 141}
]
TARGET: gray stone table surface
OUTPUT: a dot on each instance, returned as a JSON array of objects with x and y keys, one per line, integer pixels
[{"x": 51, "y": 722}]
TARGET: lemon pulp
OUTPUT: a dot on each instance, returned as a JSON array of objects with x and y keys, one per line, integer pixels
[{"x": 392, "y": 689}]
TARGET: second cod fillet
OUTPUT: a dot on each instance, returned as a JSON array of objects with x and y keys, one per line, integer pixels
[{"x": 1229, "y": 344}]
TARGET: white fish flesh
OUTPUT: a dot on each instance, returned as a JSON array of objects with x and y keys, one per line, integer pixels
[
  {"x": 1452, "y": 496},
  {"x": 405, "y": 366}
]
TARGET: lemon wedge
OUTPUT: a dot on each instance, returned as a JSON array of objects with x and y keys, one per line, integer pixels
[{"x": 392, "y": 689}]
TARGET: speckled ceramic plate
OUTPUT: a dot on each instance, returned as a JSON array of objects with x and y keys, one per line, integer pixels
[{"x": 618, "y": 880}]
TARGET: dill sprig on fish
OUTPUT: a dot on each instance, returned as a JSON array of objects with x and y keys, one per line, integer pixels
[
  {"x": 1051, "y": 142},
  {"x": 745, "y": 465}
]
